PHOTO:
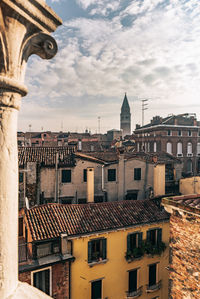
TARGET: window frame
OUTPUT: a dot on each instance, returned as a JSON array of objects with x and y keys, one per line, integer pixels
[
  {"x": 156, "y": 274},
  {"x": 85, "y": 175},
  {"x": 102, "y": 253},
  {"x": 109, "y": 177},
  {"x": 158, "y": 237},
  {"x": 139, "y": 239},
  {"x": 137, "y": 174},
  {"x": 50, "y": 278},
  {"x": 67, "y": 181}
]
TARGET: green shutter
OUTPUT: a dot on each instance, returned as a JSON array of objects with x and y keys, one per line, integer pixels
[
  {"x": 129, "y": 242},
  {"x": 89, "y": 252},
  {"x": 159, "y": 235},
  {"x": 104, "y": 249},
  {"x": 139, "y": 239},
  {"x": 148, "y": 236}
]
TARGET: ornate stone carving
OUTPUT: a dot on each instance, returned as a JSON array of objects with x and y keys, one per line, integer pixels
[{"x": 25, "y": 27}]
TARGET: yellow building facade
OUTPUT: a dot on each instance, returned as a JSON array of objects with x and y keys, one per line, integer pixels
[{"x": 112, "y": 274}]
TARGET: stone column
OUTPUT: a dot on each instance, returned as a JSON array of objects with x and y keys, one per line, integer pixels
[{"x": 25, "y": 26}]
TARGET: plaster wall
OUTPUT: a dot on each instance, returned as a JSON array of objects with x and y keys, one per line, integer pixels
[{"x": 114, "y": 272}]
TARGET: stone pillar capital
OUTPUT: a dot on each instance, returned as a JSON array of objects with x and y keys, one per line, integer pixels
[{"x": 25, "y": 28}]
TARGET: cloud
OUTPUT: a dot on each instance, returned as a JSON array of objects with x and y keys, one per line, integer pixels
[{"x": 154, "y": 53}]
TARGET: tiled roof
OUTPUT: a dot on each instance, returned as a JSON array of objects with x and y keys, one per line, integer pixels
[
  {"x": 190, "y": 202},
  {"x": 50, "y": 220},
  {"x": 111, "y": 157},
  {"x": 46, "y": 155}
]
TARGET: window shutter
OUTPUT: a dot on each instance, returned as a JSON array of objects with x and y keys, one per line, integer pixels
[
  {"x": 140, "y": 239},
  {"x": 148, "y": 236},
  {"x": 89, "y": 252},
  {"x": 129, "y": 243},
  {"x": 104, "y": 249},
  {"x": 159, "y": 235}
]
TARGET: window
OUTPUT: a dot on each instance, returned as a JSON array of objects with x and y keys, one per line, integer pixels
[
  {"x": 152, "y": 275},
  {"x": 84, "y": 175},
  {"x": 189, "y": 149},
  {"x": 169, "y": 148},
  {"x": 96, "y": 250},
  {"x": 154, "y": 147},
  {"x": 179, "y": 133},
  {"x": 189, "y": 133},
  {"x": 42, "y": 280},
  {"x": 169, "y": 133},
  {"x": 111, "y": 175},
  {"x": 189, "y": 166},
  {"x": 66, "y": 176},
  {"x": 134, "y": 246},
  {"x": 21, "y": 177},
  {"x": 96, "y": 289},
  {"x": 137, "y": 174},
  {"x": 179, "y": 149},
  {"x": 154, "y": 236},
  {"x": 132, "y": 281},
  {"x": 198, "y": 148}
]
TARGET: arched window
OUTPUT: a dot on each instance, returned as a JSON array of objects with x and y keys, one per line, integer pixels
[
  {"x": 154, "y": 147},
  {"x": 179, "y": 149},
  {"x": 189, "y": 166},
  {"x": 169, "y": 148},
  {"x": 189, "y": 149},
  {"x": 198, "y": 148}
]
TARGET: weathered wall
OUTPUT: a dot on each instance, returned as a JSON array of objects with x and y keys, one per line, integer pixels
[
  {"x": 185, "y": 256},
  {"x": 190, "y": 185},
  {"x": 60, "y": 280}
]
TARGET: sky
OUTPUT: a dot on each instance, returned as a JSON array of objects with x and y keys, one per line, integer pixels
[{"x": 149, "y": 49}]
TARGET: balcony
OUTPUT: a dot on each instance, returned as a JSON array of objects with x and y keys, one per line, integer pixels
[
  {"x": 134, "y": 294},
  {"x": 154, "y": 287}
]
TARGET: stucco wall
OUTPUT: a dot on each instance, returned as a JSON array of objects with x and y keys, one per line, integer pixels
[{"x": 114, "y": 273}]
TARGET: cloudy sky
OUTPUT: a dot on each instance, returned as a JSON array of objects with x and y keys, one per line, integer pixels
[{"x": 146, "y": 48}]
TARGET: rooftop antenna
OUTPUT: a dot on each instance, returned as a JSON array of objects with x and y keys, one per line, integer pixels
[
  {"x": 99, "y": 121},
  {"x": 30, "y": 127},
  {"x": 144, "y": 107},
  {"x": 61, "y": 126}
]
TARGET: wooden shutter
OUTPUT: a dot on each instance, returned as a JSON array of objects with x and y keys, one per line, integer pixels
[
  {"x": 104, "y": 249},
  {"x": 89, "y": 251},
  {"x": 129, "y": 242},
  {"x": 140, "y": 239},
  {"x": 148, "y": 235},
  {"x": 159, "y": 235}
]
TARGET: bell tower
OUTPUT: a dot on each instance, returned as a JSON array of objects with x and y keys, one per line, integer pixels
[{"x": 125, "y": 118}]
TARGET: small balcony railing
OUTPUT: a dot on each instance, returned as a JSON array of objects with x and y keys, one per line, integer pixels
[
  {"x": 134, "y": 294},
  {"x": 154, "y": 287}
]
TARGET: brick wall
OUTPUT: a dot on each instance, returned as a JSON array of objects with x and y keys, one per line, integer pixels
[
  {"x": 60, "y": 280},
  {"x": 185, "y": 256}
]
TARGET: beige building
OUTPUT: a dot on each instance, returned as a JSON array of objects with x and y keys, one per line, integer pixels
[{"x": 58, "y": 175}]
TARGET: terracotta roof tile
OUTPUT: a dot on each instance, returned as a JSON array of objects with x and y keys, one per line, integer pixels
[
  {"x": 46, "y": 155},
  {"x": 190, "y": 202},
  {"x": 50, "y": 220}
]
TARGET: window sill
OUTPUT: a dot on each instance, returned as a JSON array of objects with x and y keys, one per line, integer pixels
[
  {"x": 97, "y": 262},
  {"x": 154, "y": 288},
  {"x": 134, "y": 259}
]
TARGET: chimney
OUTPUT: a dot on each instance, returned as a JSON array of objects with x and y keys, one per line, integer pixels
[
  {"x": 90, "y": 184},
  {"x": 66, "y": 245},
  {"x": 80, "y": 145}
]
